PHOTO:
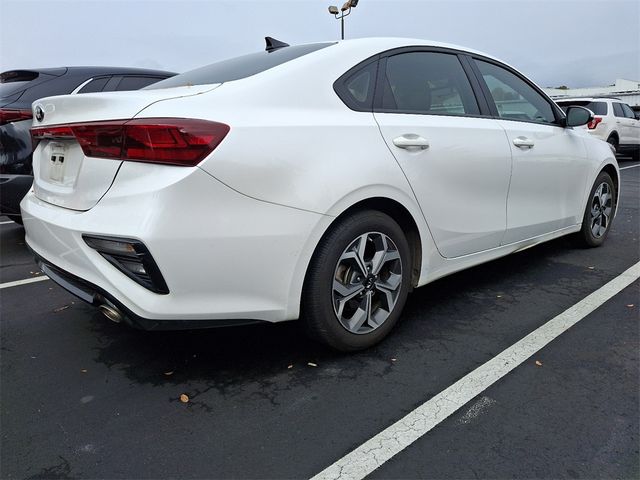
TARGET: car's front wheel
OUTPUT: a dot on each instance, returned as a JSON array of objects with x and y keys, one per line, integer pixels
[
  {"x": 599, "y": 212},
  {"x": 358, "y": 281}
]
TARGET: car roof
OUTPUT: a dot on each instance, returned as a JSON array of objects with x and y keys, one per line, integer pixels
[
  {"x": 387, "y": 43},
  {"x": 116, "y": 71},
  {"x": 586, "y": 99},
  {"x": 90, "y": 71}
]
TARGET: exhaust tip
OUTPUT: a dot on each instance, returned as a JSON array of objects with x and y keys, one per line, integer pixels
[{"x": 111, "y": 313}]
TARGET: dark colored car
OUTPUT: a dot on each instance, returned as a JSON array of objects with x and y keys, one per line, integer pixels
[{"x": 20, "y": 88}]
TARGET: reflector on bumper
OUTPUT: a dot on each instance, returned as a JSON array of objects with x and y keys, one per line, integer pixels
[{"x": 132, "y": 258}]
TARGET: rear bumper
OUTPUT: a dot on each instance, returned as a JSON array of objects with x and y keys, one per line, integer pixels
[
  {"x": 96, "y": 296},
  {"x": 13, "y": 188},
  {"x": 223, "y": 255}
]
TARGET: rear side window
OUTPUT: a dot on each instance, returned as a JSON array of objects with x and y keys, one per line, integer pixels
[
  {"x": 598, "y": 108},
  {"x": 356, "y": 87},
  {"x": 514, "y": 98},
  {"x": 239, "y": 67},
  {"x": 627, "y": 111},
  {"x": 135, "y": 83},
  {"x": 427, "y": 83},
  {"x": 95, "y": 85},
  {"x": 617, "y": 109}
]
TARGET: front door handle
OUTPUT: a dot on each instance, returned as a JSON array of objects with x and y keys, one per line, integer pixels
[
  {"x": 411, "y": 141},
  {"x": 523, "y": 142}
]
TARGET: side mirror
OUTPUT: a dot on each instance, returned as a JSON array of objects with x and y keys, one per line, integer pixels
[{"x": 577, "y": 116}]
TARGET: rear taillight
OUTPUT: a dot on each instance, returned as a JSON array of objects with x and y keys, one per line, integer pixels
[
  {"x": 171, "y": 141},
  {"x": 8, "y": 115},
  {"x": 100, "y": 140},
  {"x": 594, "y": 123}
]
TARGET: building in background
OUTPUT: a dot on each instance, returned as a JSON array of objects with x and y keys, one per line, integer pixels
[{"x": 626, "y": 90}]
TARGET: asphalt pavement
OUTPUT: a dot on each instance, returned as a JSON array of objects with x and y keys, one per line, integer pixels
[{"x": 82, "y": 397}]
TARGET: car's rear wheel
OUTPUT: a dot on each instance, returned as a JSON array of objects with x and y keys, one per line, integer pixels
[
  {"x": 358, "y": 281},
  {"x": 599, "y": 212}
]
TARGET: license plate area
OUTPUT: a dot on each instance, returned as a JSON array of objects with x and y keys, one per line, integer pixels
[{"x": 57, "y": 157}]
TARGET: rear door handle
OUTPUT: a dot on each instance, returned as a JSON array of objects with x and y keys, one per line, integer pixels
[
  {"x": 411, "y": 141},
  {"x": 523, "y": 142}
]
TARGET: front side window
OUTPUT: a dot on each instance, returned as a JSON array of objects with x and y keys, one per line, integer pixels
[
  {"x": 617, "y": 110},
  {"x": 514, "y": 98},
  {"x": 427, "y": 83}
]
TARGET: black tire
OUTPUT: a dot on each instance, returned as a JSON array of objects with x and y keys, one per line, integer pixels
[
  {"x": 613, "y": 141},
  {"x": 321, "y": 320},
  {"x": 586, "y": 237}
]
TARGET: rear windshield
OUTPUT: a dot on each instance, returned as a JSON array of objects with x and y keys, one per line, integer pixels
[
  {"x": 598, "y": 108},
  {"x": 19, "y": 84},
  {"x": 11, "y": 88},
  {"x": 13, "y": 82},
  {"x": 52, "y": 86},
  {"x": 238, "y": 67}
]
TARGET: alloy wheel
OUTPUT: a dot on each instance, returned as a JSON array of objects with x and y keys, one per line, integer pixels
[
  {"x": 366, "y": 283},
  {"x": 601, "y": 209}
]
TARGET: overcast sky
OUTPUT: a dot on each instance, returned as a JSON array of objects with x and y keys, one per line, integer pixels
[{"x": 555, "y": 42}]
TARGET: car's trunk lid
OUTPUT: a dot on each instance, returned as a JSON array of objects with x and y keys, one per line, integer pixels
[{"x": 63, "y": 175}]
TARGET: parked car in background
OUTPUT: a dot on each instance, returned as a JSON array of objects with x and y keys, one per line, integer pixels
[
  {"x": 614, "y": 121},
  {"x": 321, "y": 181},
  {"x": 19, "y": 89}
]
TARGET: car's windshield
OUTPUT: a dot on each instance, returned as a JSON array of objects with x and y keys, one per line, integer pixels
[{"x": 238, "y": 67}]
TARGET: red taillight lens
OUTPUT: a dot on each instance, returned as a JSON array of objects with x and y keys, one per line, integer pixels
[
  {"x": 8, "y": 115},
  {"x": 43, "y": 133},
  {"x": 172, "y": 141},
  {"x": 176, "y": 142},
  {"x": 594, "y": 123},
  {"x": 101, "y": 140}
]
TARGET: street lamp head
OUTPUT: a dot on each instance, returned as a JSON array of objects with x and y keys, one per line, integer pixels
[
  {"x": 353, "y": 3},
  {"x": 346, "y": 6},
  {"x": 333, "y": 10}
]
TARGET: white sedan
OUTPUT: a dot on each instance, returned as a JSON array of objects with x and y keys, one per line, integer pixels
[{"x": 320, "y": 182}]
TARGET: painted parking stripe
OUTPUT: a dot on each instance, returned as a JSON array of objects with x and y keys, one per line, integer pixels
[
  {"x": 630, "y": 166},
  {"x": 6, "y": 223},
  {"x": 23, "y": 282},
  {"x": 391, "y": 441}
]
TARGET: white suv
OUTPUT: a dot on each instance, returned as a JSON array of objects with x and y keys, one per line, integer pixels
[{"x": 614, "y": 122}]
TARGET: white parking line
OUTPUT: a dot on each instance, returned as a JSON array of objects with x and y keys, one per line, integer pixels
[
  {"x": 630, "y": 166},
  {"x": 391, "y": 441},
  {"x": 5, "y": 223},
  {"x": 23, "y": 282}
]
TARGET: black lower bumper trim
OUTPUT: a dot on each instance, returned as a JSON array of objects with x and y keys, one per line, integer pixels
[{"x": 96, "y": 296}]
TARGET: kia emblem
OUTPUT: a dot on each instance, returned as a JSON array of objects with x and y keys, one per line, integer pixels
[{"x": 39, "y": 113}]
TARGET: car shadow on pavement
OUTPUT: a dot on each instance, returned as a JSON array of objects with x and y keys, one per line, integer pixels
[{"x": 260, "y": 351}]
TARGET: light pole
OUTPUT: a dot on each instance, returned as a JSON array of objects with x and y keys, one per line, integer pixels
[{"x": 343, "y": 12}]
